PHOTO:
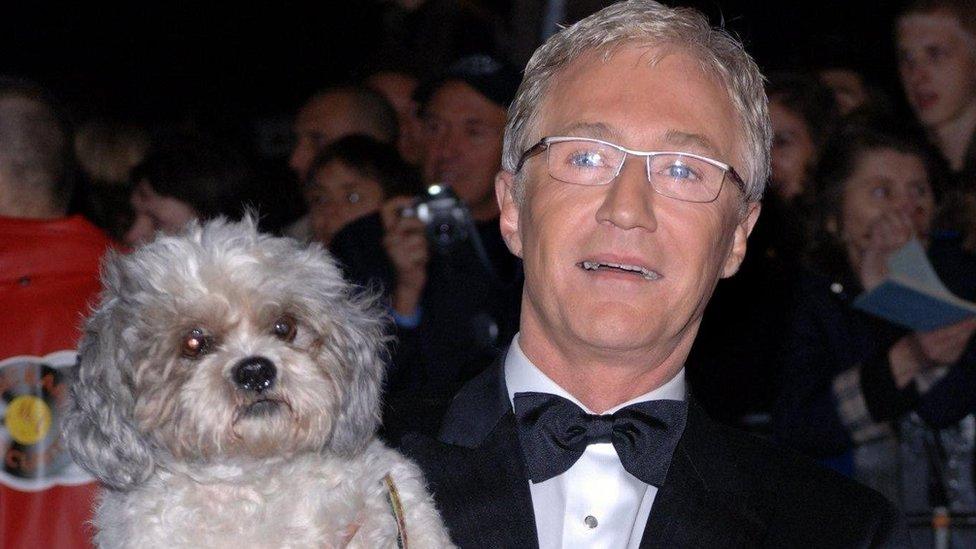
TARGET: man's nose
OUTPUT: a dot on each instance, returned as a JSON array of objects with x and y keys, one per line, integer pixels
[
  {"x": 916, "y": 73},
  {"x": 908, "y": 204},
  {"x": 299, "y": 160},
  {"x": 629, "y": 199}
]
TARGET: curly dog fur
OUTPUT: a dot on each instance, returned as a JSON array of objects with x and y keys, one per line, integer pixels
[{"x": 228, "y": 396}]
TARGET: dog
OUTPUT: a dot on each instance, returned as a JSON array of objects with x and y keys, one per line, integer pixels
[{"x": 228, "y": 395}]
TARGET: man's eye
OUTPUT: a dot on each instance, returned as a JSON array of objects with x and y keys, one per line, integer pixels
[
  {"x": 880, "y": 192},
  {"x": 936, "y": 53},
  {"x": 318, "y": 139},
  {"x": 680, "y": 171},
  {"x": 586, "y": 159}
]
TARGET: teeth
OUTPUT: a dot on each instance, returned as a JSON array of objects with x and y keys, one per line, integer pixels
[{"x": 644, "y": 272}]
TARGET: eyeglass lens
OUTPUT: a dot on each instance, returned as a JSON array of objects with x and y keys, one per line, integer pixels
[{"x": 674, "y": 175}]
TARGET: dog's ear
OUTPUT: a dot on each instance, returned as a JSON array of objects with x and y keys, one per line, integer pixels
[
  {"x": 99, "y": 427},
  {"x": 364, "y": 343}
]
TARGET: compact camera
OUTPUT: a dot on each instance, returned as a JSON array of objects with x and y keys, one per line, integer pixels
[{"x": 446, "y": 217}]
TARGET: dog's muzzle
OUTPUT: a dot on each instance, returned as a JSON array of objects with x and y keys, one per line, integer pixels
[{"x": 255, "y": 373}]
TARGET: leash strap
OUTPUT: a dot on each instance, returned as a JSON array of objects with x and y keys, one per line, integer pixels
[{"x": 396, "y": 507}]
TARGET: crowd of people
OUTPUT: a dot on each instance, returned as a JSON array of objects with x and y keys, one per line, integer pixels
[{"x": 397, "y": 179}]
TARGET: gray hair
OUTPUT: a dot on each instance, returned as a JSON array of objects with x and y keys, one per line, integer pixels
[{"x": 647, "y": 22}]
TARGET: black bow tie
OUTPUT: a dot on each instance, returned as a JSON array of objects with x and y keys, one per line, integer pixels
[{"x": 554, "y": 432}]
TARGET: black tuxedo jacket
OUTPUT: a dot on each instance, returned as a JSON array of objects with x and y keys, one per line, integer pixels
[{"x": 723, "y": 489}]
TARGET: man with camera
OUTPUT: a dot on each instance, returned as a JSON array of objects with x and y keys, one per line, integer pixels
[{"x": 451, "y": 282}]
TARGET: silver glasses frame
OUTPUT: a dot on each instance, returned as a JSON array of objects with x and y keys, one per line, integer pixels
[{"x": 545, "y": 142}]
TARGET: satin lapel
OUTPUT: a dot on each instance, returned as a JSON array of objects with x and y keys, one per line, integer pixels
[
  {"x": 475, "y": 470},
  {"x": 691, "y": 509}
]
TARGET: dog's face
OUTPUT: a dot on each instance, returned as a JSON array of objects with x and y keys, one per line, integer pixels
[{"x": 223, "y": 343}]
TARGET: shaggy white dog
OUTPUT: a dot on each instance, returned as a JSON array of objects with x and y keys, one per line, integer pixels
[{"x": 228, "y": 396}]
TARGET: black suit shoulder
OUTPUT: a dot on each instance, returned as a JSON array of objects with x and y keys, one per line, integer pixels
[{"x": 800, "y": 503}]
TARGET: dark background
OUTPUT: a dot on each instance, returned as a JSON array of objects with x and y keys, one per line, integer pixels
[{"x": 242, "y": 71}]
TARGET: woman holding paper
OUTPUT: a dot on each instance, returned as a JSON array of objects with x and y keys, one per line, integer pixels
[{"x": 866, "y": 396}]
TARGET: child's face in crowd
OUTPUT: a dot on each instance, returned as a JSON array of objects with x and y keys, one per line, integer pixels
[
  {"x": 792, "y": 153},
  {"x": 937, "y": 64},
  {"x": 339, "y": 196},
  {"x": 155, "y": 212},
  {"x": 887, "y": 187}
]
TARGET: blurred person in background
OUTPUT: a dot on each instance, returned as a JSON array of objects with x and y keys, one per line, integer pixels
[
  {"x": 730, "y": 368},
  {"x": 936, "y": 42},
  {"x": 328, "y": 115},
  {"x": 848, "y": 86},
  {"x": 454, "y": 307},
  {"x": 871, "y": 399},
  {"x": 350, "y": 179},
  {"x": 107, "y": 151},
  {"x": 803, "y": 112},
  {"x": 187, "y": 177},
  {"x": 398, "y": 87},
  {"x": 48, "y": 278}
]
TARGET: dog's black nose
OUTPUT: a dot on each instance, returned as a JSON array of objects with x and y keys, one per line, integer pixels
[{"x": 255, "y": 373}]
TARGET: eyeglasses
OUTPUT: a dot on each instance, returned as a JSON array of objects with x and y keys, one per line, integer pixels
[{"x": 583, "y": 161}]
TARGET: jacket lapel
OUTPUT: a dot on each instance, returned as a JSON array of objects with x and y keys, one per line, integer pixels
[
  {"x": 692, "y": 508},
  {"x": 475, "y": 469}
]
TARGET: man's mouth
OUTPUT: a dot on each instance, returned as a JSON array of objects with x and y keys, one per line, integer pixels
[
  {"x": 925, "y": 101},
  {"x": 623, "y": 268}
]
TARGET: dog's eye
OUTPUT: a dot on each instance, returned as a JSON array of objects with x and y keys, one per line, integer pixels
[
  {"x": 195, "y": 343},
  {"x": 284, "y": 328}
]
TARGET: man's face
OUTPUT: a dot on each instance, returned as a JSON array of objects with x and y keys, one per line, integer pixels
[
  {"x": 398, "y": 89},
  {"x": 321, "y": 121},
  {"x": 667, "y": 106},
  {"x": 937, "y": 64},
  {"x": 155, "y": 212},
  {"x": 792, "y": 153},
  {"x": 463, "y": 133},
  {"x": 340, "y": 195}
]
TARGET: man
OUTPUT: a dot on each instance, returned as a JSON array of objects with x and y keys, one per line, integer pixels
[
  {"x": 463, "y": 114},
  {"x": 397, "y": 86},
  {"x": 337, "y": 112},
  {"x": 621, "y": 251},
  {"x": 936, "y": 42},
  {"x": 328, "y": 115},
  {"x": 452, "y": 307},
  {"x": 48, "y": 279}
]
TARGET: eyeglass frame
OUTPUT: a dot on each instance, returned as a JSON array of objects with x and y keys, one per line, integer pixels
[{"x": 545, "y": 142}]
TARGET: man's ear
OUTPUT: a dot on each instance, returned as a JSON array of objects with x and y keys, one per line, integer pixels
[
  {"x": 509, "y": 218},
  {"x": 742, "y": 229}
]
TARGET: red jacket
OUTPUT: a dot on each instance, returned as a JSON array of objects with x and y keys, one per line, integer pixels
[{"x": 48, "y": 282}]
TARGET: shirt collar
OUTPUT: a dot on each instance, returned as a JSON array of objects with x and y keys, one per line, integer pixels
[{"x": 522, "y": 376}]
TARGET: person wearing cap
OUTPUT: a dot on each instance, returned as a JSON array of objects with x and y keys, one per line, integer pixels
[
  {"x": 635, "y": 157},
  {"x": 452, "y": 309}
]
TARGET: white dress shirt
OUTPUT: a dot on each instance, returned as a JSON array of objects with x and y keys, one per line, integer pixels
[{"x": 596, "y": 503}]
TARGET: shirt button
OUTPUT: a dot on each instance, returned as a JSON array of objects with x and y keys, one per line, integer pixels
[{"x": 590, "y": 522}]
